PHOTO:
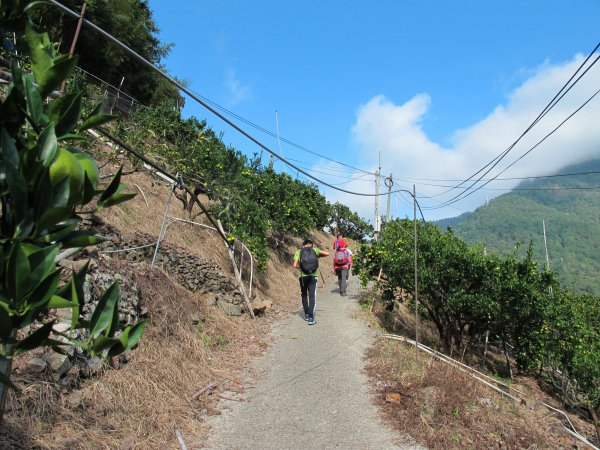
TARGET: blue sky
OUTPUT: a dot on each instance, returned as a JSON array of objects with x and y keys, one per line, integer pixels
[{"x": 438, "y": 87}]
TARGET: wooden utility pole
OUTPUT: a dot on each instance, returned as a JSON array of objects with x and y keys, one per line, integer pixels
[{"x": 72, "y": 50}]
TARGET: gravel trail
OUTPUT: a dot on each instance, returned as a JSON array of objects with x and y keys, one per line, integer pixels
[{"x": 313, "y": 393}]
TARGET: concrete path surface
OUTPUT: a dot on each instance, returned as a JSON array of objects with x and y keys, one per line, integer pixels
[{"x": 313, "y": 393}]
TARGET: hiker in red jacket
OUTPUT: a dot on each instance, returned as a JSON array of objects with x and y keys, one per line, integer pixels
[
  {"x": 340, "y": 242},
  {"x": 342, "y": 261}
]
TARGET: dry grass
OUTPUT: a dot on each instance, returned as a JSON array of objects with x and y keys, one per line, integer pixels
[
  {"x": 442, "y": 407},
  {"x": 145, "y": 214},
  {"x": 186, "y": 347},
  {"x": 146, "y": 211}
]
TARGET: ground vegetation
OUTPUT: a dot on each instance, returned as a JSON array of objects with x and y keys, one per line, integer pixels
[{"x": 475, "y": 300}]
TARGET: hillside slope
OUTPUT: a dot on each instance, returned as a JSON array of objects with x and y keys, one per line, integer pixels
[
  {"x": 570, "y": 207},
  {"x": 190, "y": 352},
  {"x": 193, "y": 355}
]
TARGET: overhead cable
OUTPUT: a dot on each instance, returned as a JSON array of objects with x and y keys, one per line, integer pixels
[
  {"x": 270, "y": 133},
  {"x": 557, "y": 97},
  {"x": 330, "y": 167},
  {"x": 455, "y": 199},
  {"x": 195, "y": 97},
  {"x": 532, "y": 177},
  {"x": 545, "y": 137},
  {"x": 460, "y": 196},
  {"x": 561, "y": 188}
]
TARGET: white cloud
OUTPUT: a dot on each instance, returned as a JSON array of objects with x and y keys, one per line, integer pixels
[
  {"x": 237, "y": 92},
  {"x": 409, "y": 154}
]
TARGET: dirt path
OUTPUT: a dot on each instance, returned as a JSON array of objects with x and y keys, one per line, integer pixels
[{"x": 313, "y": 392}]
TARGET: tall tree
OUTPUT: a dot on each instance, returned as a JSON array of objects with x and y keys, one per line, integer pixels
[
  {"x": 131, "y": 22},
  {"x": 350, "y": 224}
]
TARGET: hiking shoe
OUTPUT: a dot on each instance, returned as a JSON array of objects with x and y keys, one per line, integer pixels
[
  {"x": 306, "y": 317},
  {"x": 311, "y": 321},
  {"x": 344, "y": 294}
]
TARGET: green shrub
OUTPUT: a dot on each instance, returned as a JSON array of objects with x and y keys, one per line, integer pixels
[{"x": 44, "y": 184}]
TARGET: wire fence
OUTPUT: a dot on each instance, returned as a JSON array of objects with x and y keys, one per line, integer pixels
[
  {"x": 114, "y": 100},
  {"x": 177, "y": 181}
]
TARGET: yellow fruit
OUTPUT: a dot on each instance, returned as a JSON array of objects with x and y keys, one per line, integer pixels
[
  {"x": 64, "y": 165},
  {"x": 88, "y": 165}
]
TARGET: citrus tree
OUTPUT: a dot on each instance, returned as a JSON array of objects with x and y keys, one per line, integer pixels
[
  {"x": 45, "y": 182},
  {"x": 253, "y": 202},
  {"x": 452, "y": 280},
  {"x": 571, "y": 342},
  {"x": 524, "y": 295},
  {"x": 343, "y": 220},
  {"x": 466, "y": 293}
]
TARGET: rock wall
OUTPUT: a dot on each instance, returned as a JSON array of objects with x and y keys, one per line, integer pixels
[
  {"x": 192, "y": 272},
  {"x": 106, "y": 265}
]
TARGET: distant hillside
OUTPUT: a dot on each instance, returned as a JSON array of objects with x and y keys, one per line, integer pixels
[{"x": 572, "y": 219}]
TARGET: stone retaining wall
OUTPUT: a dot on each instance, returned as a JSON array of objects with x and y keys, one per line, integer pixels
[{"x": 194, "y": 273}]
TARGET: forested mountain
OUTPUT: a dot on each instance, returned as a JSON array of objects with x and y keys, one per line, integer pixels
[{"x": 570, "y": 207}]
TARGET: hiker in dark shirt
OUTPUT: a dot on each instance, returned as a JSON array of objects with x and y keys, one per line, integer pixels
[{"x": 307, "y": 260}]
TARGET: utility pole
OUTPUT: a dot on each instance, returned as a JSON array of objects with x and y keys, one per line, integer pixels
[
  {"x": 416, "y": 277},
  {"x": 72, "y": 50},
  {"x": 389, "y": 182},
  {"x": 278, "y": 140},
  {"x": 546, "y": 245},
  {"x": 377, "y": 219}
]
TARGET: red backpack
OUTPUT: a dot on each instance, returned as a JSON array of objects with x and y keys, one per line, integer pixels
[{"x": 340, "y": 258}]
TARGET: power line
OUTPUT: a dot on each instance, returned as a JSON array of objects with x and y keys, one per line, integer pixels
[
  {"x": 332, "y": 172},
  {"x": 455, "y": 199},
  {"x": 329, "y": 167},
  {"x": 558, "y": 96},
  {"x": 270, "y": 133},
  {"x": 548, "y": 135},
  {"x": 573, "y": 188},
  {"x": 532, "y": 177},
  {"x": 206, "y": 102},
  {"x": 537, "y": 189},
  {"x": 194, "y": 94},
  {"x": 212, "y": 109}
]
